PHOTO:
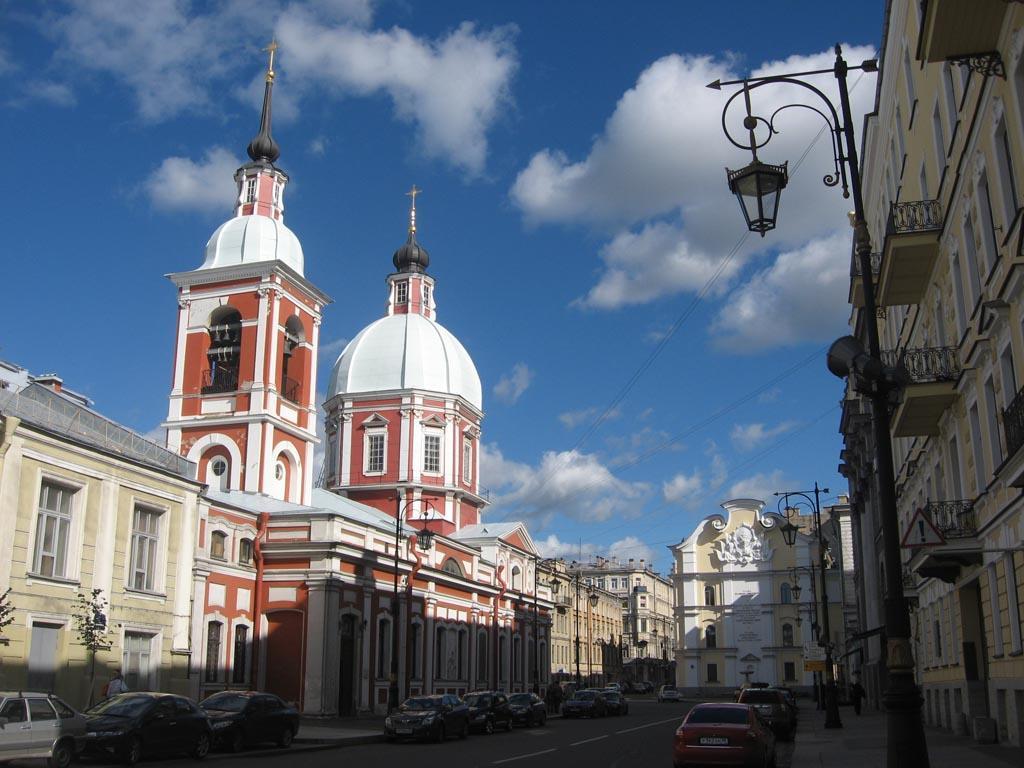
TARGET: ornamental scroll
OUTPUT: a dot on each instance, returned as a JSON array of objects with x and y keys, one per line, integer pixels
[{"x": 743, "y": 547}]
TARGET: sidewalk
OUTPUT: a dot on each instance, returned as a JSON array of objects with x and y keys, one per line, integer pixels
[
  {"x": 339, "y": 731},
  {"x": 860, "y": 743}
]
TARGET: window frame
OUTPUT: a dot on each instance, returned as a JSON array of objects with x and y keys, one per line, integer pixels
[
  {"x": 67, "y": 569},
  {"x": 467, "y": 459},
  {"x": 429, "y": 437},
  {"x": 370, "y": 435},
  {"x": 214, "y": 650},
  {"x": 401, "y": 292},
  {"x": 221, "y": 537},
  {"x": 153, "y": 573}
]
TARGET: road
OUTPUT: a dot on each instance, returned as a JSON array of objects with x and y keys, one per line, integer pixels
[{"x": 642, "y": 738}]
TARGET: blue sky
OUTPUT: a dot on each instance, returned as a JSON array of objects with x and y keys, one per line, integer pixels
[{"x": 642, "y": 358}]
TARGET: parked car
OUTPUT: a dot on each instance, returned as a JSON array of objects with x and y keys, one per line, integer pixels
[
  {"x": 646, "y": 686},
  {"x": 772, "y": 705},
  {"x": 790, "y": 700},
  {"x": 615, "y": 687},
  {"x": 428, "y": 717},
  {"x": 615, "y": 702},
  {"x": 39, "y": 725},
  {"x": 130, "y": 726},
  {"x": 528, "y": 709},
  {"x": 244, "y": 718},
  {"x": 488, "y": 710},
  {"x": 669, "y": 693},
  {"x": 724, "y": 734},
  {"x": 588, "y": 702}
]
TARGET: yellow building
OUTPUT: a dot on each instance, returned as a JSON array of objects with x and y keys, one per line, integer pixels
[
  {"x": 942, "y": 161},
  {"x": 87, "y": 504}
]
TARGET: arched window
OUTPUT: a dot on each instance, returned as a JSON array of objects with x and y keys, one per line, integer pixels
[
  {"x": 224, "y": 351},
  {"x": 217, "y": 539},
  {"x": 481, "y": 655},
  {"x": 787, "y": 634},
  {"x": 451, "y": 565},
  {"x": 217, "y": 473},
  {"x": 245, "y": 552},
  {"x": 213, "y": 640},
  {"x": 294, "y": 335},
  {"x": 503, "y": 657},
  {"x": 239, "y": 655},
  {"x": 709, "y": 595},
  {"x": 463, "y": 640},
  {"x": 517, "y": 578},
  {"x": 710, "y": 636},
  {"x": 415, "y": 668},
  {"x": 383, "y": 648},
  {"x": 786, "y": 593}
]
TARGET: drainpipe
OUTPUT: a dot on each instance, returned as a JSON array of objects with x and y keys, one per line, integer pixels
[
  {"x": 257, "y": 618},
  {"x": 417, "y": 565},
  {"x": 497, "y": 603}
]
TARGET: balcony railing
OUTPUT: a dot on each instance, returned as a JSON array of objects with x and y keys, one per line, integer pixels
[
  {"x": 876, "y": 265},
  {"x": 290, "y": 390},
  {"x": 220, "y": 379},
  {"x": 914, "y": 216},
  {"x": 925, "y": 364},
  {"x": 953, "y": 519},
  {"x": 1013, "y": 424}
]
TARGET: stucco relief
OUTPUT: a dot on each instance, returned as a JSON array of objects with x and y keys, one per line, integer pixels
[{"x": 743, "y": 547}]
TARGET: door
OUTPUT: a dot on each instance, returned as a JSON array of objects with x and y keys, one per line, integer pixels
[
  {"x": 284, "y": 649},
  {"x": 347, "y": 667},
  {"x": 16, "y": 732},
  {"x": 42, "y": 657},
  {"x": 45, "y": 726}
]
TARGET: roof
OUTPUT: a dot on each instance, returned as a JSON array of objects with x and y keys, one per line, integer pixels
[
  {"x": 513, "y": 533},
  {"x": 323, "y": 501},
  {"x": 248, "y": 239},
  {"x": 51, "y": 411}
]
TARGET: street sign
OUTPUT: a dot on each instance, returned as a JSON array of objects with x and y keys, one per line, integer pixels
[
  {"x": 922, "y": 532},
  {"x": 814, "y": 666},
  {"x": 814, "y": 652}
]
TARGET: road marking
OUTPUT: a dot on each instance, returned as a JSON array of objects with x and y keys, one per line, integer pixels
[
  {"x": 648, "y": 725},
  {"x": 523, "y": 757},
  {"x": 587, "y": 741}
]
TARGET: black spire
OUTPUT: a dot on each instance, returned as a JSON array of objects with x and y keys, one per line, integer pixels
[
  {"x": 263, "y": 148},
  {"x": 411, "y": 257}
]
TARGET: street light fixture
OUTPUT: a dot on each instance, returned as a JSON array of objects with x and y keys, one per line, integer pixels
[
  {"x": 758, "y": 188},
  {"x": 906, "y": 744},
  {"x": 536, "y": 637}
]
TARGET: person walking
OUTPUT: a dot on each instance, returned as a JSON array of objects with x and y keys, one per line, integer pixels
[
  {"x": 115, "y": 686},
  {"x": 856, "y": 695}
]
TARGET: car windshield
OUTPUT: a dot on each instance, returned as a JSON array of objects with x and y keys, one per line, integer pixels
[
  {"x": 520, "y": 698},
  {"x": 226, "y": 702},
  {"x": 584, "y": 695},
  {"x": 122, "y": 706},
  {"x": 478, "y": 700},
  {"x": 760, "y": 696},
  {"x": 717, "y": 715},
  {"x": 667, "y": 688},
  {"x": 424, "y": 703}
]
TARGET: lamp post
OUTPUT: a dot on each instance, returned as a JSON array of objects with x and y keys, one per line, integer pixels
[
  {"x": 906, "y": 746},
  {"x": 536, "y": 638},
  {"x": 592, "y": 601},
  {"x": 796, "y": 589},
  {"x": 576, "y": 578},
  {"x": 831, "y": 700},
  {"x": 424, "y": 540}
]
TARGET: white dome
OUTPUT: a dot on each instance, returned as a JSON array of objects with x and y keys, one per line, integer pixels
[
  {"x": 406, "y": 351},
  {"x": 248, "y": 239}
]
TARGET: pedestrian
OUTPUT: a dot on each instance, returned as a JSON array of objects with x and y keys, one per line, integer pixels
[
  {"x": 115, "y": 686},
  {"x": 856, "y": 694}
]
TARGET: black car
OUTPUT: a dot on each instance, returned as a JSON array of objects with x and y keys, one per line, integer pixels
[
  {"x": 615, "y": 702},
  {"x": 488, "y": 710},
  {"x": 131, "y": 725},
  {"x": 587, "y": 702},
  {"x": 528, "y": 709},
  {"x": 242, "y": 718},
  {"x": 428, "y": 717}
]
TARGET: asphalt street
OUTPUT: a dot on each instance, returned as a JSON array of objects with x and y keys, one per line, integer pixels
[{"x": 641, "y": 738}]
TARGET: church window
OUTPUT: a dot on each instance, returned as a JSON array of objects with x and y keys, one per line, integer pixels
[
  {"x": 217, "y": 539},
  {"x": 213, "y": 633},
  {"x": 218, "y": 473},
  {"x": 238, "y": 657},
  {"x": 432, "y": 453},
  {"x": 277, "y": 194},
  {"x": 786, "y": 593},
  {"x": 245, "y": 552},
  {"x": 426, "y": 295},
  {"x": 787, "y": 634},
  {"x": 467, "y": 460},
  {"x": 710, "y": 636},
  {"x": 789, "y": 672},
  {"x": 250, "y": 190},
  {"x": 451, "y": 565},
  {"x": 294, "y": 335},
  {"x": 383, "y": 648},
  {"x": 401, "y": 293},
  {"x": 517, "y": 578},
  {"x": 223, "y": 354},
  {"x": 709, "y": 595},
  {"x": 375, "y": 452}
]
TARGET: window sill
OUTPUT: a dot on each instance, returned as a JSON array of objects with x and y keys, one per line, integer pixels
[
  {"x": 141, "y": 594},
  {"x": 57, "y": 581}
]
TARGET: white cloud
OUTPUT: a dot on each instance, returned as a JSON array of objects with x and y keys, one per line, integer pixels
[
  {"x": 573, "y": 419},
  {"x": 566, "y": 484},
  {"x": 683, "y": 487},
  {"x": 318, "y": 146},
  {"x": 655, "y": 177},
  {"x": 510, "y": 386},
  {"x": 746, "y": 437},
  {"x": 624, "y": 549},
  {"x": 770, "y": 396},
  {"x": 631, "y": 548},
  {"x": 50, "y": 92},
  {"x": 801, "y": 297},
  {"x": 329, "y": 351},
  {"x": 760, "y": 486},
  {"x": 6, "y": 62},
  {"x": 207, "y": 186}
]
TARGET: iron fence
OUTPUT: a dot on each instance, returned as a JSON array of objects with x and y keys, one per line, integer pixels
[
  {"x": 925, "y": 364},
  {"x": 914, "y": 216},
  {"x": 1013, "y": 423},
  {"x": 953, "y": 519}
]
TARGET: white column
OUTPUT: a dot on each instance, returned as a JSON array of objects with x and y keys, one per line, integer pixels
[
  {"x": 10, "y": 497},
  {"x": 261, "y": 345},
  {"x": 313, "y": 702},
  {"x": 105, "y": 542},
  {"x": 174, "y": 405},
  {"x": 185, "y": 559}
]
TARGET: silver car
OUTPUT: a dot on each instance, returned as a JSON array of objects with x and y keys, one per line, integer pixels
[
  {"x": 669, "y": 693},
  {"x": 39, "y": 725}
]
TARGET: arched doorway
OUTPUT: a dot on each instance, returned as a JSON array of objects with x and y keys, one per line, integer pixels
[{"x": 347, "y": 667}]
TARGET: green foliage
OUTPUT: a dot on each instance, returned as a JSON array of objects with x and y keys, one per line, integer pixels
[
  {"x": 91, "y": 620},
  {"x": 6, "y": 611}
]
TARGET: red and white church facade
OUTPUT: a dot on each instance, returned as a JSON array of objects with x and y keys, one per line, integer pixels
[{"x": 295, "y": 583}]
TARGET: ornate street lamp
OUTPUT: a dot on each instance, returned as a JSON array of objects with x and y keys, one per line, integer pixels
[
  {"x": 796, "y": 589},
  {"x": 906, "y": 744},
  {"x": 758, "y": 188}
]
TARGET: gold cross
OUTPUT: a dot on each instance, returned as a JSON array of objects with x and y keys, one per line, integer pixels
[
  {"x": 412, "y": 210},
  {"x": 412, "y": 193},
  {"x": 271, "y": 49}
]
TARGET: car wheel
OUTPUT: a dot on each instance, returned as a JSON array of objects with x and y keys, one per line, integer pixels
[
  {"x": 489, "y": 726},
  {"x": 62, "y": 755},
  {"x": 237, "y": 741},
  {"x": 439, "y": 736},
  {"x": 202, "y": 747},
  {"x": 286, "y": 737},
  {"x": 133, "y": 751}
]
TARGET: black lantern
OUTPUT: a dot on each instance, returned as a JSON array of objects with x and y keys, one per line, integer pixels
[
  {"x": 789, "y": 533},
  {"x": 554, "y": 587},
  {"x": 594, "y": 597},
  {"x": 796, "y": 589},
  {"x": 758, "y": 187},
  {"x": 425, "y": 540}
]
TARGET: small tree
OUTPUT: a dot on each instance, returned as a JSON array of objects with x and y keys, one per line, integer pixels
[
  {"x": 91, "y": 627},
  {"x": 6, "y": 613}
]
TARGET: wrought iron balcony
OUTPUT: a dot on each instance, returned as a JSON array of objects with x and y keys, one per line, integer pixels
[
  {"x": 290, "y": 390},
  {"x": 1013, "y": 424},
  {"x": 911, "y": 249},
  {"x": 925, "y": 364},
  {"x": 219, "y": 379},
  {"x": 930, "y": 374},
  {"x": 959, "y": 30},
  {"x": 876, "y": 265},
  {"x": 953, "y": 519}
]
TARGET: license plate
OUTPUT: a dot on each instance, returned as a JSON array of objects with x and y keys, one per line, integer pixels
[
  {"x": 714, "y": 740},
  {"x": 767, "y": 708},
  {"x": 403, "y": 730}
]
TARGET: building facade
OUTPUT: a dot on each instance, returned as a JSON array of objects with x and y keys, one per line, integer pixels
[
  {"x": 942, "y": 157},
  {"x": 739, "y": 617}
]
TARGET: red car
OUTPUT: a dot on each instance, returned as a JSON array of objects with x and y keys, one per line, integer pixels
[{"x": 724, "y": 734}]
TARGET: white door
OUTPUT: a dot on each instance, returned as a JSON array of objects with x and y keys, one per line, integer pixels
[
  {"x": 42, "y": 657},
  {"x": 137, "y": 667}
]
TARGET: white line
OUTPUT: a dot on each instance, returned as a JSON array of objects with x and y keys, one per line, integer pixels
[
  {"x": 521, "y": 757},
  {"x": 648, "y": 725},
  {"x": 587, "y": 741}
]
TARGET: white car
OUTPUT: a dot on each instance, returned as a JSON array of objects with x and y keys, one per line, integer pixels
[
  {"x": 669, "y": 693},
  {"x": 39, "y": 725}
]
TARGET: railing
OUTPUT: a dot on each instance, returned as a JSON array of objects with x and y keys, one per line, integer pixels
[
  {"x": 220, "y": 379},
  {"x": 876, "y": 265},
  {"x": 925, "y": 364},
  {"x": 1013, "y": 423},
  {"x": 914, "y": 216},
  {"x": 290, "y": 390},
  {"x": 953, "y": 519}
]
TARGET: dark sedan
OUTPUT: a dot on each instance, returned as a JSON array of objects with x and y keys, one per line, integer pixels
[
  {"x": 488, "y": 710},
  {"x": 428, "y": 717},
  {"x": 130, "y": 726},
  {"x": 615, "y": 702},
  {"x": 528, "y": 709},
  {"x": 244, "y": 718},
  {"x": 590, "y": 703}
]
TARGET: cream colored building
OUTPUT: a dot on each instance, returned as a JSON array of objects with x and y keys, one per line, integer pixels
[
  {"x": 84, "y": 504},
  {"x": 942, "y": 158},
  {"x": 738, "y": 617}
]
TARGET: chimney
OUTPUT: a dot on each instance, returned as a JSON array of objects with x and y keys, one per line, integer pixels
[
  {"x": 631, "y": 562},
  {"x": 51, "y": 380},
  {"x": 641, "y": 563}
]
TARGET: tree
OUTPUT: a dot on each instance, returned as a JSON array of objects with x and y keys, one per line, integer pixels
[
  {"x": 91, "y": 628},
  {"x": 6, "y": 613}
]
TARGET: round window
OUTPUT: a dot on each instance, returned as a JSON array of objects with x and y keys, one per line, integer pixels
[
  {"x": 218, "y": 467},
  {"x": 279, "y": 471}
]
